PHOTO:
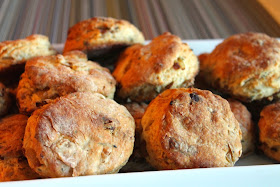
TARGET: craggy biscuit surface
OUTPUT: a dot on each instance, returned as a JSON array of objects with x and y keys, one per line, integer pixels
[
  {"x": 12, "y": 130},
  {"x": 190, "y": 128},
  {"x": 245, "y": 66},
  {"x": 15, "y": 169},
  {"x": 18, "y": 51},
  {"x": 247, "y": 126},
  {"x": 47, "y": 78},
  {"x": 13, "y": 164},
  {"x": 144, "y": 71},
  {"x": 79, "y": 134},
  {"x": 99, "y": 35},
  {"x": 14, "y": 54},
  {"x": 269, "y": 131}
]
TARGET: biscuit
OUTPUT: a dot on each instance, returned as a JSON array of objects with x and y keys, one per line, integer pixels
[
  {"x": 142, "y": 72},
  {"x": 79, "y": 134},
  {"x": 246, "y": 124},
  {"x": 14, "y": 54},
  {"x": 13, "y": 164},
  {"x": 47, "y": 78},
  {"x": 245, "y": 66},
  {"x": 190, "y": 128},
  {"x": 269, "y": 130},
  {"x": 15, "y": 169},
  {"x": 200, "y": 81},
  {"x": 137, "y": 162},
  {"x": 102, "y": 38},
  {"x": 12, "y": 130},
  {"x": 137, "y": 111},
  {"x": 5, "y": 100}
]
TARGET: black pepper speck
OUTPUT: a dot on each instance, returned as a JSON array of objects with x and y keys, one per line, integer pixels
[{"x": 194, "y": 97}]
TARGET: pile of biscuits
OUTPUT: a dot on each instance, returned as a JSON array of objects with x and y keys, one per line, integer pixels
[{"x": 112, "y": 103}]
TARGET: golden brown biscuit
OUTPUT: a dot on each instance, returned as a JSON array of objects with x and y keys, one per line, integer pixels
[
  {"x": 14, "y": 54},
  {"x": 5, "y": 100},
  {"x": 16, "y": 168},
  {"x": 47, "y": 78},
  {"x": 246, "y": 124},
  {"x": 190, "y": 128},
  {"x": 269, "y": 131},
  {"x": 142, "y": 72},
  {"x": 246, "y": 66},
  {"x": 200, "y": 82},
  {"x": 99, "y": 37},
  {"x": 79, "y": 134},
  {"x": 12, "y": 130},
  {"x": 136, "y": 161},
  {"x": 137, "y": 111},
  {"x": 13, "y": 164}
]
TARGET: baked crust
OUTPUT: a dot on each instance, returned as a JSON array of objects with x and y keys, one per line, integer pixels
[
  {"x": 46, "y": 78},
  {"x": 12, "y": 130},
  {"x": 142, "y": 72},
  {"x": 14, "y": 54},
  {"x": 15, "y": 169},
  {"x": 246, "y": 124},
  {"x": 269, "y": 131},
  {"x": 5, "y": 100},
  {"x": 79, "y": 134},
  {"x": 190, "y": 128},
  {"x": 137, "y": 162},
  {"x": 13, "y": 164},
  {"x": 137, "y": 111},
  {"x": 246, "y": 66},
  {"x": 100, "y": 36}
]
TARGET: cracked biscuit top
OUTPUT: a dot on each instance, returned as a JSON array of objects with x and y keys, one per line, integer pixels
[
  {"x": 100, "y": 33},
  {"x": 18, "y": 51},
  {"x": 79, "y": 134},
  {"x": 190, "y": 128},
  {"x": 46, "y": 78},
  {"x": 14, "y": 54},
  {"x": 144, "y": 71},
  {"x": 246, "y": 66}
]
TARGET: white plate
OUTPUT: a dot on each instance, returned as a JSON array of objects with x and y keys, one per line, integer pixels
[{"x": 253, "y": 170}]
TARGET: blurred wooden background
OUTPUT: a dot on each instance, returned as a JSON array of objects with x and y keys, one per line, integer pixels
[{"x": 189, "y": 19}]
